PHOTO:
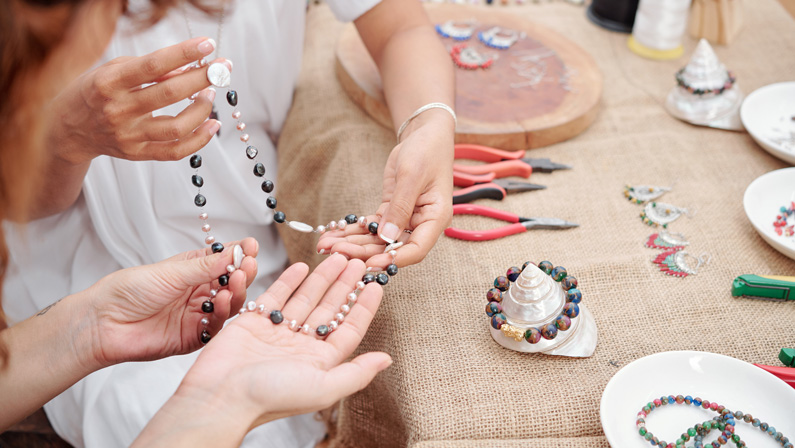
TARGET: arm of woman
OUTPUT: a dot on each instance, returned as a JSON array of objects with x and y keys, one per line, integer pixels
[
  {"x": 135, "y": 314},
  {"x": 418, "y": 180}
]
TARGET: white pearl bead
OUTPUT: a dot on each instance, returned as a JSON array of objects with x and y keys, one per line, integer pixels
[
  {"x": 242, "y": 310},
  {"x": 251, "y": 305},
  {"x": 241, "y": 126},
  {"x": 362, "y": 221},
  {"x": 305, "y": 329},
  {"x": 292, "y": 324},
  {"x": 230, "y": 269},
  {"x": 352, "y": 297},
  {"x": 393, "y": 253},
  {"x": 206, "y": 228},
  {"x": 209, "y": 240},
  {"x": 332, "y": 225},
  {"x": 236, "y": 114},
  {"x": 244, "y": 138},
  {"x": 340, "y": 317},
  {"x": 341, "y": 224},
  {"x": 320, "y": 229},
  {"x": 261, "y": 308},
  {"x": 345, "y": 309},
  {"x": 333, "y": 325},
  {"x": 213, "y": 293},
  {"x": 203, "y": 216},
  {"x": 205, "y": 321},
  {"x": 360, "y": 285}
]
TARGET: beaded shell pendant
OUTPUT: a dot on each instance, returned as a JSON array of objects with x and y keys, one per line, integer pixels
[
  {"x": 661, "y": 214},
  {"x": 675, "y": 263},
  {"x": 668, "y": 241},
  {"x": 643, "y": 193}
]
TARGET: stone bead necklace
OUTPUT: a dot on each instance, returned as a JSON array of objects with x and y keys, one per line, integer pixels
[{"x": 220, "y": 76}]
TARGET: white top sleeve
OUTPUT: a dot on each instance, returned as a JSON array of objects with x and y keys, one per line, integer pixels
[{"x": 350, "y": 10}]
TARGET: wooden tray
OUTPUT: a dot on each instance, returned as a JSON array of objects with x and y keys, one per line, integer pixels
[{"x": 491, "y": 112}]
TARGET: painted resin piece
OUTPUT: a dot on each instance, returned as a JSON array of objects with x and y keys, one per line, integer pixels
[
  {"x": 534, "y": 299},
  {"x": 219, "y": 75},
  {"x": 705, "y": 72}
]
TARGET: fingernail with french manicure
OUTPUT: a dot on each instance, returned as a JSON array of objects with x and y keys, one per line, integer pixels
[
  {"x": 215, "y": 127},
  {"x": 210, "y": 94},
  {"x": 207, "y": 46},
  {"x": 228, "y": 63},
  {"x": 390, "y": 233}
]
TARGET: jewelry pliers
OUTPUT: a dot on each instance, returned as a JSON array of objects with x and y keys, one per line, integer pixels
[{"x": 520, "y": 224}]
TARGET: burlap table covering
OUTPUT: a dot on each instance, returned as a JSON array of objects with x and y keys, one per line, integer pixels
[{"x": 451, "y": 385}]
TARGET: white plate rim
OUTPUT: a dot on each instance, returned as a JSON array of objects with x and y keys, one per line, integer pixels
[
  {"x": 764, "y": 142},
  {"x": 780, "y": 245}
]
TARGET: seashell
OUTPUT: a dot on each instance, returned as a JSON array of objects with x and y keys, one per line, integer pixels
[
  {"x": 532, "y": 301},
  {"x": 705, "y": 71}
]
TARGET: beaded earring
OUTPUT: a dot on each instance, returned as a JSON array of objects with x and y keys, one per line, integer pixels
[
  {"x": 499, "y": 38},
  {"x": 675, "y": 263},
  {"x": 640, "y": 194},
  {"x": 468, "y": 58},
  {"x": 667, "y": 241},
  {"x": 661, "y": 214},
  {"x": 457, "y": 30}
]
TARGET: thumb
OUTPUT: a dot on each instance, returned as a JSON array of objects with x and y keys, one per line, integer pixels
[
  {"x": 201, "y": 270},
  {"x": 400, "y": 209},
  {"x": 351, "y": 377}
]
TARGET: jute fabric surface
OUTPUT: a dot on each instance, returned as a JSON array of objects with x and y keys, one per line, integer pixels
[{"x": 451, "y": 385}]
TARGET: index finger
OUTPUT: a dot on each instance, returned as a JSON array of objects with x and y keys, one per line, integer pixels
[{"x": 147, "y": 69}]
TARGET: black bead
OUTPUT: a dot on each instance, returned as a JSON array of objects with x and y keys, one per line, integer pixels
[
  {"x": 267, "y": 186},
  {"x": 231, "y": 98},
  {"x": 223, "y": 280},
  {"x": 392, "y": 269},
  {"x": 322, "y": 330},
  {"x": 197, "y": 180},
  {"x": 259, "y": 170},
  {"x": 270, "y": 202},
  {"x": 368, "y": 278},
  {"x": 205, "y": 337},
  {"x": 199, "y": 200},
  {"x": 279, "y": 217},
  {"x": 350, "y": 219},
  {"x": 373, "y": 228},
  {"x": 195, "y": 161},
  {"x": 217, "y": 247},
  {"x": 276, "y": 317},
  {"x": 382, "y": 279},
  {"x": 208, "y": 307}
]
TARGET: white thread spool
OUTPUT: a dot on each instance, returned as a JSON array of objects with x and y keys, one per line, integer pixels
[{"x": 659, "y": 27}]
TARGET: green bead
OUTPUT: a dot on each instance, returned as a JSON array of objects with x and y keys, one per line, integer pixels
[
  {"x": 735, "y": 438},
  {"x": 642, "y": 431},
  {"x": 648, "y": 436},
  {"x": 691, "y": 432},
  {"x": 707, "y": 425}
]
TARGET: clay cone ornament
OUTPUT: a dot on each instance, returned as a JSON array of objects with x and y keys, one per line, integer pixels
[
  {"x": 706, "y": 93},
  {"x": 540, "y": 310}
]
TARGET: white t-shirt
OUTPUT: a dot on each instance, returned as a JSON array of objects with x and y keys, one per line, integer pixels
[{"x": 134, "y": 213}]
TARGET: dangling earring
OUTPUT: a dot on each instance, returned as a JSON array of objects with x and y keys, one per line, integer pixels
[
  {"x": 457, "y": 30},
  {"x": 675, "y": 263},
  {"x": 644, "y": 193},
  {"x": 667, "y": 241},
  {"x": 661, "y": 214}
]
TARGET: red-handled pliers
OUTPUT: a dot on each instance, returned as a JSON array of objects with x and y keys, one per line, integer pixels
[
  {"x": 521, "y": 224},
  {"x": 501, "y": 163},
  {"x": 786, "y": 374}
]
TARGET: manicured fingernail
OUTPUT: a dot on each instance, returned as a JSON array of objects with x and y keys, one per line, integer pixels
[
  {"x": 389, "y": 233},
  {"x": 215, "y": 127},
  {"x": 193, "y": 97},
  {"x": 228, "y": 63},
  {"x": 207, "y": 46},
  {"x": 321, "y": 251},
  {"x": 202, "y": 62},
  {"x": 210, "y": 94}
]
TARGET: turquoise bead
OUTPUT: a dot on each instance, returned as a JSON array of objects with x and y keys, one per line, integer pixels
[
  {"x": 558, "y": 273},
  {"x": 573, "y": 295}
]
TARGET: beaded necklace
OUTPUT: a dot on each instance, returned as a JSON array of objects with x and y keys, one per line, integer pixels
[{"x": 220, "y": 76}]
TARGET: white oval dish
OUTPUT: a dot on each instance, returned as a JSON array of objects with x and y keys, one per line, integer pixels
[
  {"x": 762, "y": 200},
  {"x": 735, "y": 384},
  {"x": 767, "y": 114}
]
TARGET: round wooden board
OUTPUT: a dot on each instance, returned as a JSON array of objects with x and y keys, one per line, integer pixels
[{"x": 490, "y": 111}]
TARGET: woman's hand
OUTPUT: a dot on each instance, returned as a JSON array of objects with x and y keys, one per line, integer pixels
[
  {"x": 107, "y": 111},
  {"x": 417, "y": 197},
  {"x": 154, "y": 311},
  {"x": 255, "y": 371}
]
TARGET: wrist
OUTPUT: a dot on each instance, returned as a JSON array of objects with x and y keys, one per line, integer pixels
[{"x": 437, "y": 120}]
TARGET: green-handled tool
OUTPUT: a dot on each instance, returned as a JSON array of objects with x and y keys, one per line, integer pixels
[{"x": 771, "y": 287}]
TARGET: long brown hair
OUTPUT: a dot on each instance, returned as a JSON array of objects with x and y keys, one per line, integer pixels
[{"x": 31, "y": 32}]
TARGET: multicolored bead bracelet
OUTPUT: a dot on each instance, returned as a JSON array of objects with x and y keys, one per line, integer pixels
[
  {"x": 548, "y": 330},
  {"x": 780, "y": 224},
  {"x": 725, "y": 422},
  {"x": 728, "y": 84}
]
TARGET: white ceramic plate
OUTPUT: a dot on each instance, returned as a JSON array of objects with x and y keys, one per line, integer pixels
[
  {"x": 728, "y": 381},
  {"x": 762, "y": 201},
  {"x": 767, "y": 115}
]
